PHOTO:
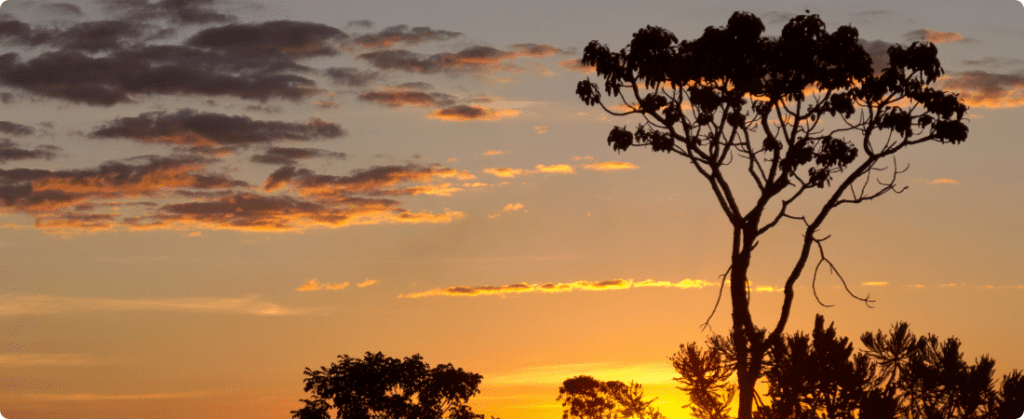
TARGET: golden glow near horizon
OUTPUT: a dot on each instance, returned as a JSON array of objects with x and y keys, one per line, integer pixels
[{"x": 199, "y": 200}]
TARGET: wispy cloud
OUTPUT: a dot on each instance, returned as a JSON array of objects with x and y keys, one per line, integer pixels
[
  {"x": 987, "y": 90},
  {"x": 874, "y": 284},
  {"x": 471, "y": 113},
  {"x": 551, "y": 287},
  {"x": 512, "y": 207},
  {"x": 39, "y": 304},
  {"x": 314, "y": 285},
  {"x": 493, "y": 153},
  {"x": 367, "y": 283},
  {"x": 555, "y": 168},
  {"x": 611, "y": 166},
  {"x": 944, "y": 182},
  {"x": 929, "y": 35},
  {"x": 541, "y": 129},
  {"x": 503, "y": 172}
]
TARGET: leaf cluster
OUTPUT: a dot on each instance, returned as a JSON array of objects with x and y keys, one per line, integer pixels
[{"x": 380, "y": 387}]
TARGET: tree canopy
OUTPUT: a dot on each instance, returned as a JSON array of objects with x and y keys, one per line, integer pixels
[
  {"x": 896, "y": 375},
  {"x": 798, "y": 112},
  {"x": 380, "y": 387},
  {"x": 585, "y": 397}
]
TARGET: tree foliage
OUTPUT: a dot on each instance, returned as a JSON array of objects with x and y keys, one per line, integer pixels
[
  {"x": 801, "y": 111},
  {"x": 380, "y": 387},
  {"x": 585, "y": 397},
  {"x": 705, "y": 376},
  {"x": 896, "y": 376}
]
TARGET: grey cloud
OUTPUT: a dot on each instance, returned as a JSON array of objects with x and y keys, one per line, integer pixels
[
  {"x": 289, "y": 156},
  {"x": 10, "y": 151},
  {"x": 183, "y": 12},
  {"x": 350, "y": 76},
  {"x": 12, "y": 128},
  {"x": 204, "y": 129},
  {"x": 106, "y": 81},
  {"x": 399, "y": 98},
  {"x": 62, "y": 9},
  {"x": 286, "y": 37},
  {"x": 404, "y": 35}
]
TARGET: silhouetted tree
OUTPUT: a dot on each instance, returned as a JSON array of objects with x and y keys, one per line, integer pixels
[
  {"x": 585, "y": 397},
  {"x": 379, "y": 387},
  {"x": 802, "y": 111},
  {"x": 897, "y": 376},
  {"x": 705, "y": 377},
  {"x": 816, "y": 376},
  {"x": 927, "y": 379}
]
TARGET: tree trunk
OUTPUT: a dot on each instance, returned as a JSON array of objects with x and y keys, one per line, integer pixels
[{"x": 748, "y": 355}]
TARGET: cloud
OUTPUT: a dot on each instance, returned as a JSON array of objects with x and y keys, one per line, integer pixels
[
  {"x": 574, "y": 64},
  {"x": 375, "y": 181},
  {"x": 251, "y": 212},
  {"x": 512, "y": 207},
  {"x": 874, "y": 284},
  {"x": 610, "y": 166},
  {"x": 367, "y": 283},
  {"x": 987, "y": 90},
  {"x": 91, "y": 36},
  {"x": 36, "y": 190},
  {"x": 402, "y": 34},
  {"x": 163, "y": 69},
  {"x": 62, "y": 9},
  {"x": 210, "y": 130},
  {"x": 13, "y": 128},
  {"x": 467, "y": 113},
  {"x": 351, "y": 76},
  {"x": 290, "y": 156},
  {"x": 475, "y": 59},
  {"x": 41, "y": 304},
  {"x": 399, "y": 98},
  {"x": 493, "y": 153},
  {"x": 289, "y": 38},
  {"x": 9, "y": 151},
  {"x": 994, "y": 62},
  {"x": 929, "y": 35},
  {"x": 503, "y": 172},
  {"x": 944, "y": 182},
  {"x": 684, "y": 284},
  {"x": 555, "y": 168},
  {"x": 549, "y": 287},
  {"x": 362, "y": 23},
  {"x": 313, "y": 285},
  {"x": 541, "y": 129},
  {"x": 183, "y": 12}
]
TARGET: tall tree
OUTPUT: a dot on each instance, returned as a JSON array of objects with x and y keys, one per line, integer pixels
[
  {"x": 380, "y": 387},
  {"x": 799, "y": 112}
]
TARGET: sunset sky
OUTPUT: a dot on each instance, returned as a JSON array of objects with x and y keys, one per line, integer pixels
[{"x": 201, "y": 198}]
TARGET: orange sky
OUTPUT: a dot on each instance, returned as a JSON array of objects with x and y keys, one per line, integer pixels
[{"x": 199, "y": 203}]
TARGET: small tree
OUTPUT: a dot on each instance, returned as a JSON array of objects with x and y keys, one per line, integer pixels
[
  {"x": 705, "y": 376},
  {"x": 804, "y": 111},
  {"x": 585, "y": 397},
  {"x": 379, "y": 387}
]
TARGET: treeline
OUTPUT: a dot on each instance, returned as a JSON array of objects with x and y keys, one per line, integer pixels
[{"x": 897, "y": 375}]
